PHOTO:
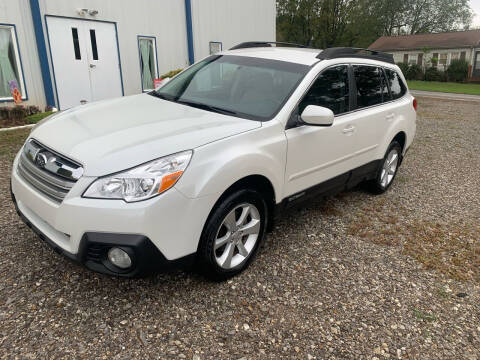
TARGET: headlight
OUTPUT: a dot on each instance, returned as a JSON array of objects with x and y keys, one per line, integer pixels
[{"x": 142, "y": 182}]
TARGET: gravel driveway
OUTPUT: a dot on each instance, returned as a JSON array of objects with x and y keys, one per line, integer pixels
[{"x": 356, "y": 277}]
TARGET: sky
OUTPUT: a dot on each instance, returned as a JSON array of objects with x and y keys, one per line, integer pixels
[{"x": 475, "y": 5}]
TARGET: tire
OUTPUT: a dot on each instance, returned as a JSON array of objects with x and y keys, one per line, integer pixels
[
  {"x": 229, "y": 243},
  {"x": 386, "y": 171}
]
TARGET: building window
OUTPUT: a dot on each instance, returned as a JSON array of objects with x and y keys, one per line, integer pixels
[
  {"x": 420, "y": 59},
  {"x": 443, "y": 59},
  {"x": 215, "y": 47},
  {"x": 148, "y": 61},
  {"x": 454, "y": 56},
  {"x": 412, "y": 59},
  {"x": 11, "y": 75}
]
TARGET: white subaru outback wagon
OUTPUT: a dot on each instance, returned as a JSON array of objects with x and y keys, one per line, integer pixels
[{"x": 194, "y": 171}]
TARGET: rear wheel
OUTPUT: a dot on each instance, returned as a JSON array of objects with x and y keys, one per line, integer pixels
[
  {"x": 387, "y": 170},
  {"x": 232, "y": 235}
]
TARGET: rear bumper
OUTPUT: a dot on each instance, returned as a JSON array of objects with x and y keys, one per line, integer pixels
[{"x": 94, "y": 246}]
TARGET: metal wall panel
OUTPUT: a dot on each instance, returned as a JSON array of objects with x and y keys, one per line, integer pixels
[
  {"x": 226, "y": 21},
  {"x": 231, "y": 22},
  {"x": 17, "y": 12},
  {"x": 163, "y": 19}
]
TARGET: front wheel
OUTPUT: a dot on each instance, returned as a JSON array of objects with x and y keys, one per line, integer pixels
[
  {"x": 387, "y": 170},
  {"x": 232, "y": 235}
]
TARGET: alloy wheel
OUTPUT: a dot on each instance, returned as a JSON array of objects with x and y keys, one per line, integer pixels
[
  {"x": 237, "y": 236},
  {"x": 389, "y": 168}
]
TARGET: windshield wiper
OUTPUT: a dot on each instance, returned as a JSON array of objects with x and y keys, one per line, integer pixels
[
  {"x": 156, "y": 94},
  {"x": 207, "y": 107}
]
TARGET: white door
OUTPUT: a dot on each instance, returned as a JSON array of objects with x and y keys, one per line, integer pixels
[
  {"x": 85, "y": 60},
  {"x": 317, "y": 154}
]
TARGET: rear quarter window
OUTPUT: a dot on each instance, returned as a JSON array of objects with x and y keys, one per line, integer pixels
[{"x": 397, "y": 87}]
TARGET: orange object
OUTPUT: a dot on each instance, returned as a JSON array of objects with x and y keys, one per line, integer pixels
[
  {"x": 17, "y": 97},
  {"x": 169, "y": 180}
]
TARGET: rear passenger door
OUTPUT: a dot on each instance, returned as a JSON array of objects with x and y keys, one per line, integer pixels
[{"x": 372, "y": 113}]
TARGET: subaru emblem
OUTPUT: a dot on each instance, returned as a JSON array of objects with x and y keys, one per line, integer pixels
[{"x": 41, "y": 160}]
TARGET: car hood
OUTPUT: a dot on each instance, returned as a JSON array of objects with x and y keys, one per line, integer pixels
[{"x": 115, "y": 135}]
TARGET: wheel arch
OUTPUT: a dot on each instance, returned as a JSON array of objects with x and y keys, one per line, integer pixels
[
  {"x": 401, "y": 137},
  {"x": 255, "y": 182}
]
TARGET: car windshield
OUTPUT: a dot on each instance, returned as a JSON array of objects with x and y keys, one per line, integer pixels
[{"x": 242, "y": 86}]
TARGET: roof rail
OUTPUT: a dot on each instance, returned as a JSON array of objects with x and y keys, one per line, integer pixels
[
  {"x": 254, "y": 44},
  {"x": 342, "y": 52}
]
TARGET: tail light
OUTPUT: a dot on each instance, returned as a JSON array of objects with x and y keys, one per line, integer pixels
[{"x": 415, "y": 104}]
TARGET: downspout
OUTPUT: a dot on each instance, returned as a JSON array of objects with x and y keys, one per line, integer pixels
[
  {"x": 42, "y": 52},
  {"x": 188, "y": 18}
]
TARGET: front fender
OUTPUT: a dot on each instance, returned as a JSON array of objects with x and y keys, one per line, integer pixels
[{"x": 216, "y": 166}]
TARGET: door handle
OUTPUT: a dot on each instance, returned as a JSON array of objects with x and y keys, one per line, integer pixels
[
  {"x": 348, "y": 130},
  {"x": 390, "y": 117},
  {"x": 92, "y": 66}
]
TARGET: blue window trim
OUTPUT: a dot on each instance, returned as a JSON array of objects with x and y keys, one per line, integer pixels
[
  {"x": 188, "y": 19},
  {"x": 140, "y": 57},
  {"x": 42, "y": 52},
  {"x": 75, "y": 18},
  {"x": 24, "y": 96},
  {"x": 215, "y": 42}
]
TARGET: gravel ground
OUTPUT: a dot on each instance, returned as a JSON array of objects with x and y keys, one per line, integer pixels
[{"x": 356, "y": 277}]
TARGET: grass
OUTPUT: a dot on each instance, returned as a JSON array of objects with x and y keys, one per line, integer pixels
[
  {"x": 448, "y": 87},
  {"x": 452, "y": 249},
  {"x": 422, "y": 315},
  {"x": 11, "y": 141},
  {"x": 33, "y": 119}
]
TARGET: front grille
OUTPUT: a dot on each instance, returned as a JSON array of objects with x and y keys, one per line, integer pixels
[{"x": 53, "y": 186}]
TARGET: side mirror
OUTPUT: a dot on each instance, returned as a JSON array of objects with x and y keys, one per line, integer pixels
[{"x": 317, "y": 116}]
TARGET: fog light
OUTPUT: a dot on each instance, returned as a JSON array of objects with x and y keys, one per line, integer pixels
[{"x": 119, "y": 258}]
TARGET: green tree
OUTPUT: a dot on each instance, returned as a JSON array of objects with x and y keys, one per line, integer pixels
[{"x": 326, "y": 23}]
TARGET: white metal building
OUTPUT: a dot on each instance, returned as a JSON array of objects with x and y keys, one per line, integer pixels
[{"x": 63, "y": 53}]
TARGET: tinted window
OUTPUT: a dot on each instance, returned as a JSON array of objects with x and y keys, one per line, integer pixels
[
  {"x": 385, "y": 93},
  {"x": 397, "y": 87},
  {"x": 76, "y": 44},
  {"x": 330, "y": 90},
  {"x": 369, "y": 85},
  {"x": 248, "y": 87}
]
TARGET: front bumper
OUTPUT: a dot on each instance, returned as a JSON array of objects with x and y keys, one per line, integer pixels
[
  {"x": 94, "y": 246},
  {"x": 162, "y": 232}
]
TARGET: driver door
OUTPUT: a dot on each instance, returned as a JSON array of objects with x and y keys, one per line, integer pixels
[{"x": 318, "y": 154}]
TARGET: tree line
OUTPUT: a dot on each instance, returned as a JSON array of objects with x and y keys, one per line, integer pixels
[{"x": 327, "y": 23}]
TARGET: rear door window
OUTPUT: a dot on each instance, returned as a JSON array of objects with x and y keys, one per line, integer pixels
[
  {"x": 385, "y": 93},
  {"x": 397, "y": 87},
  {"x": 369, "y": 85}
]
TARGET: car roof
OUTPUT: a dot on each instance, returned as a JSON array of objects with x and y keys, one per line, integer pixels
[{"x": 303, "y": 56}]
